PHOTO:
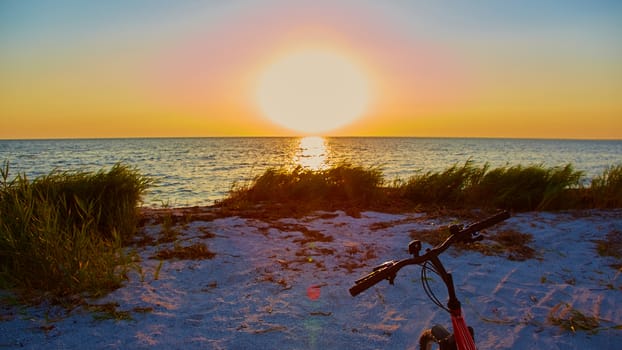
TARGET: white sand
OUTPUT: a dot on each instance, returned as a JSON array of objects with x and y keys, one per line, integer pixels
[{"x": 254, "y": 293}]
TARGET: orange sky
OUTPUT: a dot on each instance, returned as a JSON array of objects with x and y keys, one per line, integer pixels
[{"x": 521, "y": 69}]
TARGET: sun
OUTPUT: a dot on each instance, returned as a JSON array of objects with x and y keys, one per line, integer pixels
[{"x": 313, "y": 91}]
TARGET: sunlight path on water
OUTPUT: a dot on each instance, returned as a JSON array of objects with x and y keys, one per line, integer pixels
[{"x": 312, "y": 153}]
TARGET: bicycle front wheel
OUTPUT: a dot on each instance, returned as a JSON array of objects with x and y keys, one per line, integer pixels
[
  {"x": 427, "y": 341},
  {"x": 436, "y": 338}
]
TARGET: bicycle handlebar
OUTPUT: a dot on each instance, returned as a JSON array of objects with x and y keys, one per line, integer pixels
[{"x": 388, "y": 270}]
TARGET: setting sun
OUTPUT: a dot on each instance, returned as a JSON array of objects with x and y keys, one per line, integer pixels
[
  {"x": 313, "y": 91},
  {"x": 310, "y": 68}
]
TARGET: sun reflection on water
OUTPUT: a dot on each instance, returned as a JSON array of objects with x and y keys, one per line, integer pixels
[{"x": 312, "y": 153}]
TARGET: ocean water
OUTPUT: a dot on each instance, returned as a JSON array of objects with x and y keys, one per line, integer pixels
[{"x": 198, "y": 171}]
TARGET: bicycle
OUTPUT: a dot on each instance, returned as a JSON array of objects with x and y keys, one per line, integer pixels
[{"x": 463, "y": 336}]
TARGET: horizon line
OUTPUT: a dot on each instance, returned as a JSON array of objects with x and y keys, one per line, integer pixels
[{"x": 304, "y": 136}]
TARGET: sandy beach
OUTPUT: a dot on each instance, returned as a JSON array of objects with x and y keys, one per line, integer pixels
[{"x": 283, "y": 284}]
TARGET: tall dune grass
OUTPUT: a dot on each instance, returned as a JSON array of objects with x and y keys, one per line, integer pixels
[
  {"x": 62, "y": 233},
  {"x": 531, "y": 188},
  {"x": 342, "y": 183},
  {"x": 513, "y": 187},
  {"x": 520, "y": 188},
  {"x": 449, "y": 187},
  {"x": 606, "y": 189}
]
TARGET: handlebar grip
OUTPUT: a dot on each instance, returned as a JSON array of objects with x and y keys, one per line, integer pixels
[
  {"x": 478, "y": 226},
  {"x": 371, "y": 279}
]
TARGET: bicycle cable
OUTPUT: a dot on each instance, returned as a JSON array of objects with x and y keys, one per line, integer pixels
[{"x": 425, "y": 281}]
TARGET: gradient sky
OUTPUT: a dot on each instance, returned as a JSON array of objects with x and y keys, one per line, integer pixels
[{"x": 528, "y": 68}]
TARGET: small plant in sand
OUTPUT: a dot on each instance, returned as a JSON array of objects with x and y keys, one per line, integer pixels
[
  {"x": 110, "y": 311},
  {"x": 197, "y": 251},
  {"x": 611, "y": 246},
  {"x": 156, "y": 273},
  {"x": 572, "y": 320},
  {"x": 169, "y": 233}
]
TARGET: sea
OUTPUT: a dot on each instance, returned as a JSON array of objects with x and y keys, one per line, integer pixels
[{"x": 200, "y": 171}]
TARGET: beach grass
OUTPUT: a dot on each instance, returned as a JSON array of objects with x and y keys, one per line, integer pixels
[
  {"x": 62, "y": 234},
  {"x": 466, "y": 186},
  {"x": 520, "y": 188},
  {"x": 310, "y": 190},
  {"x": 606, "y": 189}
]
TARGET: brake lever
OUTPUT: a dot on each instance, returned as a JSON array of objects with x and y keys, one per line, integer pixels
[{"x": 386, "y": 265}]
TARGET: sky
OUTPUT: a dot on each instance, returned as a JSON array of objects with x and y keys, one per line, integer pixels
[{"x": 520, "y": 69}]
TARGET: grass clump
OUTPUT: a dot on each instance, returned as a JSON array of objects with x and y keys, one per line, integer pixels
[
  {"x": 527, "y": 188},
  {"x": 110, "y": 311},
  {"x": 61, "y": 234},
  {"x": 449, "y": 187},
  {"x": 516, "y": 187},
  {"x": 606, "y": 189},
  {"x": 309, "y": 188},
  {"x": 611, "y": 246},
  {"x": 570, "y": 319},
  {"x": 512, "y": 244},
  {"x": 197, "y": 251}
]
